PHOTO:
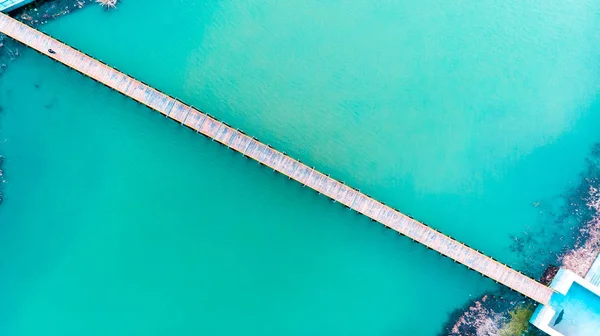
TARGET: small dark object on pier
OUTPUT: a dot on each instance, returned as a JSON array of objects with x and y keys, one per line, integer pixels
[{"x": 51, "y": 51}]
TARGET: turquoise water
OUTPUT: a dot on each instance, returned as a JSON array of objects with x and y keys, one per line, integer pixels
[
  {"x": 118, "y": 221},
  {"x": 577, "y": 313}
]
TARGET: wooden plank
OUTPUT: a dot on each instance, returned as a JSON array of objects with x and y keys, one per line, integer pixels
[{"x": 178, "y": 111}]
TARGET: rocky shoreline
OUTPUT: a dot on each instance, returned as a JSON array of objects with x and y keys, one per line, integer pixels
[{"x": 490, "y": 315}]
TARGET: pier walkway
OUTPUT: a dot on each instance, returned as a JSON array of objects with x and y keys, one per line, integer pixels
[{"x": 278, "y": 161}]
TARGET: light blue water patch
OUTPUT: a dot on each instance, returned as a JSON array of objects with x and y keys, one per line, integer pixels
[{"x": 577, "y": 313}]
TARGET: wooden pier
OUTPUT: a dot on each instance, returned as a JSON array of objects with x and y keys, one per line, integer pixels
[{"x": 294, "y": 169}]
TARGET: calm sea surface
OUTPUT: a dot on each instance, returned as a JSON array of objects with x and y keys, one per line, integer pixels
[{"x": 117, "y": 221}]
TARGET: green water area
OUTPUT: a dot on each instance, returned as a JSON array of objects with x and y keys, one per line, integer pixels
[{"x": 474, "y": 117}]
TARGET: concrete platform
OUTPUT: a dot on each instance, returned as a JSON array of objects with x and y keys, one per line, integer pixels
[
  {"x": 9, "y": 5},
  {"x": 574, "y": 308}
]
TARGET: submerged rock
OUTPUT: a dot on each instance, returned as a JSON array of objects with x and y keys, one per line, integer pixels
[{"x": 549, "y": 274}]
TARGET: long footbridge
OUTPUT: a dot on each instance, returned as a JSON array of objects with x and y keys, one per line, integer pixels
[{"x": 278, "y": 161}]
